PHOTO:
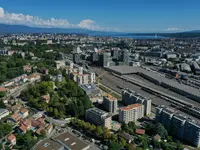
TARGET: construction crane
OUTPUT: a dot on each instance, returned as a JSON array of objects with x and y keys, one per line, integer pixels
[{"x": 98, "y": 78}]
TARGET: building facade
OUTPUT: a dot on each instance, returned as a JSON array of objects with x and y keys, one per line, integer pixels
[
  {"x": 98, "y": 117},
  {"x": 131, "y": 97},
  {"x": 182, "y": 127},
  {"x": 110, "y": 103},
  {"x": 131, "y": 113}
]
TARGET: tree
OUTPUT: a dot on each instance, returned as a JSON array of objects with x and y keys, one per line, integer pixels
[
  {"x": 122, "y": 141},
  {"x": 5, "y": 129},
  {"x": 99, "y": 131},
  {"x": 114, "y": 137},
  {"x": 2, "y": 94},
  {"x": 160, "y": 130},
  {"x": 114, "y": 146},
  {"x": 130, "y": 147},
  {"x": 55, "y": 112}
]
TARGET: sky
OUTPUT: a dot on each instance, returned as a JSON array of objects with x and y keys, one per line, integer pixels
[{"x": 104, "y": 15}]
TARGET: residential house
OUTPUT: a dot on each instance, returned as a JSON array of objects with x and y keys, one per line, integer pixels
[
  {"x": 23, "y": 112},
  {"x": 15, "y": 108},
  {"x": 126, "y": 136},
  {"x": 140, "y": 131},
  {"x": 25, "y": 125},
  {"x": 12, "y": 139},
  {"x": 15, "y": 119}
]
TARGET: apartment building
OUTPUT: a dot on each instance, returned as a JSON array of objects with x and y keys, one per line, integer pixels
[
  {"x": 178, "y": 125},
  {"x": 131, "y": 97},
  {"x": 131, "y": 113},
  {"x": 3, "y": 113},
  {"x": 79, "y": 75},
  {"x": 98, "y": 117},
  {"x": 110, "y": 103}
]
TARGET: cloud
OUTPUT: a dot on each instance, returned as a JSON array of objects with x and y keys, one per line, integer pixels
[
  {"x": 35, "y": 21},
  {"x": 1, "y": 12},
  {"x": 174, "y": 29}
]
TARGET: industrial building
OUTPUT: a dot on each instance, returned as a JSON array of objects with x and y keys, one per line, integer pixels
[
  {"x": 64, "y": 141},
  {"x": 131, "y": 113},
  {"x": 98, "y": 117},
  {"x": 110, "y": 103},
  {"x": 178, "y": 125},
  {"x": 131, "y": 97}
]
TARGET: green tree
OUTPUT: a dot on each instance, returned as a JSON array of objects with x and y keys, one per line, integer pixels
[
  {"x": 122, "y": 142},
  {"x": 99, "y": 131},
  {"x": 114, "y": 146},
  {"x": 160, "y": 130}
]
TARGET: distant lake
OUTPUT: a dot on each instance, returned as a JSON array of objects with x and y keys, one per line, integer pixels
[{"x": 130, "y": 36}]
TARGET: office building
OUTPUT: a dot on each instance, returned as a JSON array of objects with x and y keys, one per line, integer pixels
[
  {"x": 131, "y": 113},
  {"x": 182, "y": 127},
  {"x": 110, "y": 103},
  {"x": 98, "y": 117},
  {"x": 131, "y": 97},
  {"x": 104, "y": 59}
]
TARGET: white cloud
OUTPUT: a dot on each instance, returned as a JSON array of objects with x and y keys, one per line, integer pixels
[
  {"x": 1, "y": 12},
  {"x": 174, "y": 29},
  {"x": 21, "y": 19}
]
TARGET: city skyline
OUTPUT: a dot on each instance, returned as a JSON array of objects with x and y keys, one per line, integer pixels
[{"x": 127, "y": 16}]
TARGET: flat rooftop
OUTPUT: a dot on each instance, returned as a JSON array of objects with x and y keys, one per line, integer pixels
[
  {"x": 124, "y": 70},
  {"x": 63, "y": 141},
  {"x": 71, "y": 141},
  {"x": 129, "y": 107}
]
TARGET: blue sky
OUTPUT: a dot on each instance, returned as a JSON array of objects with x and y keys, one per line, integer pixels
[{"x": 115, "y": 15}]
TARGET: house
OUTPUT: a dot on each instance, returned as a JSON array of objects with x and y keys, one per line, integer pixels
[
  {"x": 49, "y": 128},
  {"x": 27, "y": 68},
  {"x": 15, "y": 119},
  {"x": 25, "y": 126},
  {"x": 12, "y": 139},
  {"x": 32, "y": 77},
  {"x": 140, "y": 131},
  {"x": 40, "y": 129},
  {"x": 45, "y": 98},
  {"x": 23, "y": 112},
  {"x": 126, "y": 136},
  {"x": 2, "y": 89},
  {"x": 15, "y": 108},
  {"x": 3, "y": 113}
]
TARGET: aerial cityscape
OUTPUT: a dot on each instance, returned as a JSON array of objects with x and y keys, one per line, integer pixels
[{"x": 125, "y": 78}]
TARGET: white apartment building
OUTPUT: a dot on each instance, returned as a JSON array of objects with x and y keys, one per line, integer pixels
[{"x": 131, "y": 113}]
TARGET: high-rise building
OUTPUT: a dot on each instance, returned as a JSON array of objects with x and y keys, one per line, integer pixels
[
  {"x": 131, "y": 113},
  {"x": 104, "y": 59},
  {"x": 98, "y": 117},
  {"x": 182, "y": 127},
  {"x": 126, "y": 55},
  {"x": 76, "y": 58},
  {"x": 110, "y": 103},
  {"x": 131, "y": 97}
]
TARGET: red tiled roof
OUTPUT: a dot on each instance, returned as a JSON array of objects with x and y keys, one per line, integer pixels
[
  {"x": 140, "y": 131},
  {"x": 11, "y": 137},
  {"x": 2, "y": 89},
  {"x": 23, "y": 128},
  {"x": 35, "y": 123},
  {"x": 129, "y": 107},
  {"x": 24, "y": 110}
]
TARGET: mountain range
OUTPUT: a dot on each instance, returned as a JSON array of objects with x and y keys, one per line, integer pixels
[{"x": 11, "y": 29}]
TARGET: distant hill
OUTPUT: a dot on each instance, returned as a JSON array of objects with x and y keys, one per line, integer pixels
[{"x": 10, "y": 29}]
